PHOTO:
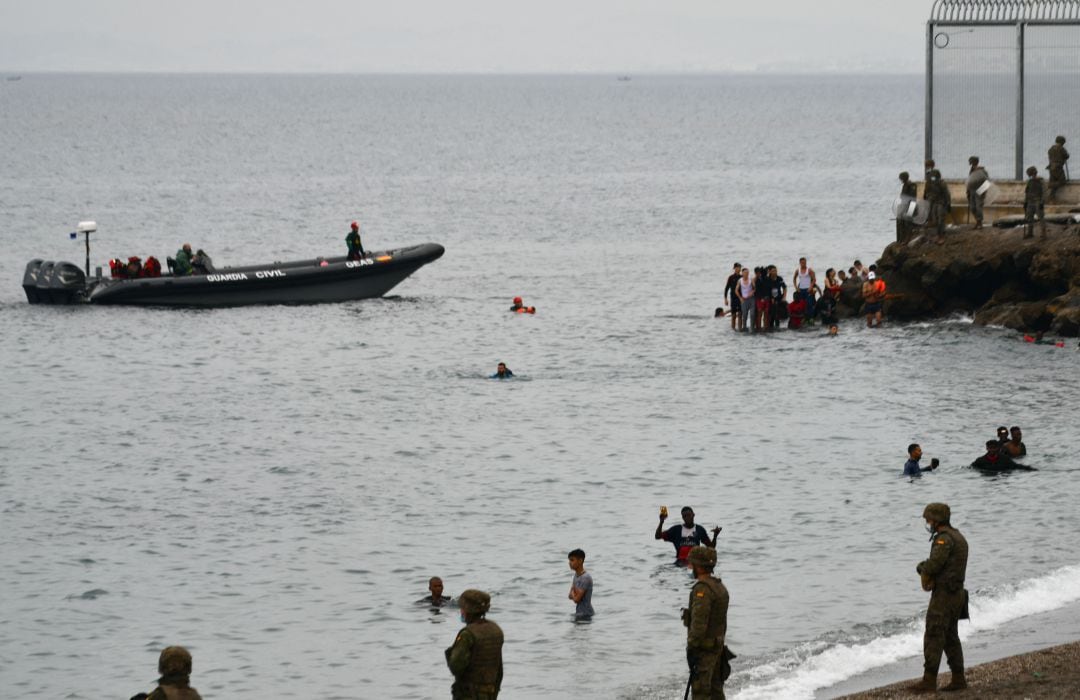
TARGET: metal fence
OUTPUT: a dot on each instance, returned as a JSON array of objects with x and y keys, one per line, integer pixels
[{"x": 1002, "y": 80}]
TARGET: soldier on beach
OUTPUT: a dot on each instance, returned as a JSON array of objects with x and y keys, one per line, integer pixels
[
  {"x": 1057, "y": 155},
  {"x": 706, "y": 622},
  {"x": 475, "y": 657},
  {"x": 1033, "y": 204},
  {"x": 943, "y": 573}
]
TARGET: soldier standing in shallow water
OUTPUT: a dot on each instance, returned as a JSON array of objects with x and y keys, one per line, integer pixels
[
  {"x": 706, "y": 622},
  {"x": 475, "y": 657},
  {"x": 943, "y": 573}
]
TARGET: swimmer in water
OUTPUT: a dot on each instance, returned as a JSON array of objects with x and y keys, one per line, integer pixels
[
  {"x": 519, "y": 307},
  {"x": 686, "y": 536},
  {"x": 995, "y": 461},
  {"x": 834, "y": 330},
  {"x": 1015, "y": 447},
  {"x": 436, "y": 599},
  {"x": 911, "y": 467},
  {"x": 502, "y": 372}
]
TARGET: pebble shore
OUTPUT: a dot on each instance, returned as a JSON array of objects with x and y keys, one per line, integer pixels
[{"x": 1047, "y": 673}]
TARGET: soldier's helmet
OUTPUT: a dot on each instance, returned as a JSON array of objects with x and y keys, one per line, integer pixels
[
  {"x": 973, "y": 160},
  {"x": 474, "y": 602},
  {"x": 174, "y": 661},
  {"x": 702, "y": 556},
  {"x": 1060, "y": 139},
  {"x": 938, "y": 512},
  {"x": 1032, "y": 171}
]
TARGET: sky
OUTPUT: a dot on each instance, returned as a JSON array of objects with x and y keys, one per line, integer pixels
[{"x": 463, "y": 36}]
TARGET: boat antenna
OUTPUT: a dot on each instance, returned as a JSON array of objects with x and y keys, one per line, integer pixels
[{"x": 86, "y": 228}]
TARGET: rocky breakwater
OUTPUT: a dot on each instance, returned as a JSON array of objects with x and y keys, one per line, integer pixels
[{"x": 1002, "y": 278}]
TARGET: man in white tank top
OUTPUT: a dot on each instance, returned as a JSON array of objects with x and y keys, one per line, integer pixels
[{"x": 804, "y": 283}]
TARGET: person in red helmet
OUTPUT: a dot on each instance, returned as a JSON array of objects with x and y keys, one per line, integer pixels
[
  {"x": 356, "y": 248},
  {"x": 520, "y": 308}
]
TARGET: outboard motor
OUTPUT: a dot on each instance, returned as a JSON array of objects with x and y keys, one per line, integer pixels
[
  {"x": 68, "y": 282},
  {"x": 30, "y": 280},
  {"x": 51, "y": 282}
]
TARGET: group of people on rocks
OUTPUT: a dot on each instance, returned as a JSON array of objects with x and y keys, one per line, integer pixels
[
  {"x": 1037, "y": 192},
  {"x": 758, "y": 302}
]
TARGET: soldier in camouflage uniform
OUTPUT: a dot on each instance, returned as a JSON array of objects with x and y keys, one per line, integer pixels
[
  {"x": 1033, "y": 204},
  {"x": 943, "y": 573},
  {"x": 937, "y": 195},
  {"x": 475, "y": 658},
  {"x": 706, "y": 620},
  {"x": 174, "y": 665},
  {"x": 1057, "y": 155}
]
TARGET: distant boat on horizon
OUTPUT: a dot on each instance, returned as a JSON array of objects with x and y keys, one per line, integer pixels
[
  {"x": 13, "y": 78},
  {"x": 623, "y": 78}
]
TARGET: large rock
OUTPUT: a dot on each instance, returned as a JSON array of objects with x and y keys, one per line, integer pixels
[{"x": 999, "y": 276}]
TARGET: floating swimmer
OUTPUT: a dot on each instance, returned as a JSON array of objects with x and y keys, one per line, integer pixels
[
  {"x": 520, "y": 308},
  {"x": 996, "y": 461},
  {"x": 1039, "y": 340},
  {"x": 502, "y": 372}
]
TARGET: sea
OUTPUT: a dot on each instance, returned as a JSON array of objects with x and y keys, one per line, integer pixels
[{"x": 273, "y": 486}]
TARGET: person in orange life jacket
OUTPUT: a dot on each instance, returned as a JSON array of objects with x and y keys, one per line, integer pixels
[
  {"x": 520, "y": 308},
  {"x": 686, "y": 536},
  {"x": 874, "y": 296}
]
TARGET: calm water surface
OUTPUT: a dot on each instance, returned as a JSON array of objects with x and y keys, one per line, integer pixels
[{"x": 272, "y": 487}]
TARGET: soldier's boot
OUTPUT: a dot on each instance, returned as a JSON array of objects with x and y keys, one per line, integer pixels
[
  {"x": 958, "y": 682},
  {"x": 928, "y": 684}
]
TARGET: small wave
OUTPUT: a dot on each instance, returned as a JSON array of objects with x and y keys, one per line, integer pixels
[{"x": 803, "y": 670}]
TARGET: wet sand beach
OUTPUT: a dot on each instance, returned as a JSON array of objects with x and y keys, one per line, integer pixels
[{"x": 1047, "y": 673}]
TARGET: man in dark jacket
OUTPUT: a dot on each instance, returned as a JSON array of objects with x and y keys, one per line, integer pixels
[
  {"x": 903, "y": 225},
  {"x": 943, "y": 573}
]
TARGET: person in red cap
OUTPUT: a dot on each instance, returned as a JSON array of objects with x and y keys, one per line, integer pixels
[
  {"x": 520, "y": 308},
  {"x": 356, "y": 248}
]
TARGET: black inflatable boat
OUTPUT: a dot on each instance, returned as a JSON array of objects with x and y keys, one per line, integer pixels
[{"x": 299, "y": 282}]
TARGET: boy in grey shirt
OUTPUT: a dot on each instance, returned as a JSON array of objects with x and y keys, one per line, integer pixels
[{"x": 581, "y": 588}]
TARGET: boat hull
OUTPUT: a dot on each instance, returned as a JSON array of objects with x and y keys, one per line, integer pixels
[{"x": 320, "y": 280}]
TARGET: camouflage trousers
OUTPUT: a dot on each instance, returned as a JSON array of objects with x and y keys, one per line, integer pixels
[
  {"x": 706, "y": 683},
  {"x": 941, "y": 634}
]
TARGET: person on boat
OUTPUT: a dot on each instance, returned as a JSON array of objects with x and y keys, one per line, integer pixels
[
  {"x": 519, "y": 307},
  {"x": 804, "y": 281},
  {"x": 183, "y": 261},
  {"x": 356, "y": 248},
  {"x": 911, "y": 467},
  {"x": 996, "y": 461},
  {"x": 1015, "y": 447},
  {"x": 686, "y": 536},
  {"x": 201, "y": 264},
  {"x": 436, "y": 599},
  {"x": 152, "y": 267},
  {"x": 502, "y": 372},
  {"x": 134, "y": 266}
]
